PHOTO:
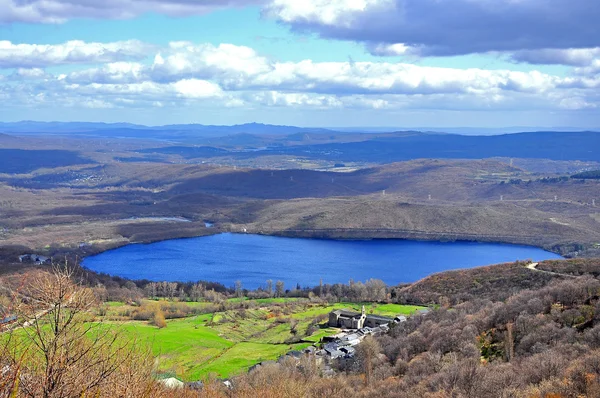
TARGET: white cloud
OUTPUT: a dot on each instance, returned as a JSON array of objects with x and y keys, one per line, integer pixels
[
  {"x": 60, "y": 11},
  {"x": 581, "y": 57},
  {"x": 184, "y": 73},
  {"x": 239, "y": 68},
  {"x": 33, "y": 73},
  {"x": 326, "y": 12},
  {"x": 232, "y": 63},
  {"x": 72, "y": 52},
  {"x": 447, "y": 27},
  {"x": 390, "y": 50},
  {"x": 193, "y": 88},
  {"x": 117, "y": 72}
]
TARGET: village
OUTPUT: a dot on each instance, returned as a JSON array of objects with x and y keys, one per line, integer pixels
[{"x": 332, "y": 352}]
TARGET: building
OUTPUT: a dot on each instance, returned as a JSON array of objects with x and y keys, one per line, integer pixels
[
  {"x": 8, "y": 320},
  {"x": 35, "y": 258},
  {"x": 347, "y": 319},
  {"x": 374, "y": 321},
  {"x": 172, "y": 383}
]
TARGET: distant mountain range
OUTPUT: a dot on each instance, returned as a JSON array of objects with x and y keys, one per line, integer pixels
[
  {"x": 396, "y": 147},
  {"x": 142, "y": 131},
  {"x": 254, "y": 140},
  {"x": 535, "y": 145}
]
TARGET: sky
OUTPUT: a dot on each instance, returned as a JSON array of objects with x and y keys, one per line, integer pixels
[{"x": 435, "y": 63}]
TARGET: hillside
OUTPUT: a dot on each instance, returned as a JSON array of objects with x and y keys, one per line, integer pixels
[
  {"x": 395, "y": 218},
  {"x": 496, "y": 282},
  {"x": 557, "y": 146},
  {"x": 424, "y": 199},
  {"x": 499, "y": 331},
  {"x": 24, "y": 161},
  {"x": 446, "y": 180}
]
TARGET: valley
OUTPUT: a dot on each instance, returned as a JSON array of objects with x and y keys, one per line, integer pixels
[{"x": 106, "y": 203}]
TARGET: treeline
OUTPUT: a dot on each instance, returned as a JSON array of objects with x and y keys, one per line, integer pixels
[
  {"x": 114, "y": 288},
  {"x": 587, "y": 175}
]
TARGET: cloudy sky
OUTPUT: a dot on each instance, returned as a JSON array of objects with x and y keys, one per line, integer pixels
[{"x": 485, "y": 63}]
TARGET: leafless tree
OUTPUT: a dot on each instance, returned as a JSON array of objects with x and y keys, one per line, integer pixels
[
  {"x": 279, "y": 289},
  {"x": 68, "y": 355},
  {"x": 366, "y": 353}
]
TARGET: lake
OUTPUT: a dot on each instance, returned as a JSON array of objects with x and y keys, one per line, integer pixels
[{"x": 253, "y": 259}]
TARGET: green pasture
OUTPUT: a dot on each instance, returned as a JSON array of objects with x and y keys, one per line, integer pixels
[{"x": 229, "y": 342}]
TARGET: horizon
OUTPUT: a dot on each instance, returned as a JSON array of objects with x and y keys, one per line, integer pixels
[
  {"x": 313, "y": 63},
  {"x": 460, "y": 130}
]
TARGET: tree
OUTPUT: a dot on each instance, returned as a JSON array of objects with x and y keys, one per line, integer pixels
[
  {"x": 270, "y": 287},
  {"x": 158, "y": 318},
  {"x": 279, "y": 289},
  {"x": 238, "y": 289},
  {"x": 152, "y": 289},
  {"x": 197, "y": 292},
  {"x": 171, "y": 289},
  {"x": 366, "y": 354},
  {"x": 68, "y": 356}
]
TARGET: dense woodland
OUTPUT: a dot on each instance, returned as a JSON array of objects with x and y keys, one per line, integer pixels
[{"x": 591, "y": 175}]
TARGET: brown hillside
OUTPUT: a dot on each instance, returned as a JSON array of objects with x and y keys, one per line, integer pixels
[{"x": 496, "y": 282}]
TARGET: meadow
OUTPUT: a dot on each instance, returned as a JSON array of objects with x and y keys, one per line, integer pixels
[{"x": 224, "y": 344}]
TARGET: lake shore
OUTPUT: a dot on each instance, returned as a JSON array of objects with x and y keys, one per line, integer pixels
[{"x": 253, "y": 259}]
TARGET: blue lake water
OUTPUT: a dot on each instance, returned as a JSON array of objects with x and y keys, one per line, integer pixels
[{"x": 253, "y": 259}]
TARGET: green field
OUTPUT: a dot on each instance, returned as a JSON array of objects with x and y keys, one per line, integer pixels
[{"x": 230, "y": 342}]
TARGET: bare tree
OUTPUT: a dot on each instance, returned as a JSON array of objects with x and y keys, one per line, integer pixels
[
  {"x": 366, "y": 353},
  {"x": 68, "y": 356},
  {"x": 238, "y": 289},
  {"x": 279, "y": 289}
]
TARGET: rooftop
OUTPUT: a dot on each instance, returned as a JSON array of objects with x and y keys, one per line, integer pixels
[{"x": 347, "y": 313}]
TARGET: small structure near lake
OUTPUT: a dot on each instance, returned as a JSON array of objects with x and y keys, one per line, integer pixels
[
  {"x": 35, "y": 258},
  {"x": 347, "y": 319}
]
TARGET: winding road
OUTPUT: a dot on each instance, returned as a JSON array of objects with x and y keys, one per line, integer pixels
[{"x": 533, "y": 267}]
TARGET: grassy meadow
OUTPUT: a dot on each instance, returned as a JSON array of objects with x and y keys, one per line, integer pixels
[{"x": 227, "y": 343}]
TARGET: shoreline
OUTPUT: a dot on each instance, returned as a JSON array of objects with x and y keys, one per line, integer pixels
[
  {"x": 139, "y": 275},
  {"x": 347, "y": 234}
]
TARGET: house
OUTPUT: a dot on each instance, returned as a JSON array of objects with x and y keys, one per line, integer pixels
[
  {"x": 8, "y": 319},
  {"x": 39, "y": 260},
  {"x": 297, "y": 355},
  {"x": 347, "y": 319},
  {"x": 34, "y": 258},
  {"x": 195, "y": 385},
  {"x": 334, "y": 353},
  {"x": 263, "y": 364},
  {"x": 348, "y": 351},
  {"x": 172, "y": 383},
  {"x": 373, "y": 321},
  {"x": 351, "y": 339}
]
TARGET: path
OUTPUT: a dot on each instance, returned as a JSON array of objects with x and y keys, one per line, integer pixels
[{"x": 533, "y": 267}]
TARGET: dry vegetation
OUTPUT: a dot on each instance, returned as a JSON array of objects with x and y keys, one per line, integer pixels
[
  {"x": 56, "y": 209},
  {"x": 540, "y": 341},
  {"x": 495, "y": 282},
  {"x": 88, "y": 208}
]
